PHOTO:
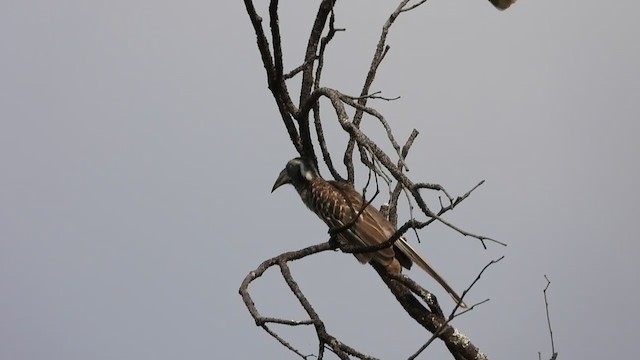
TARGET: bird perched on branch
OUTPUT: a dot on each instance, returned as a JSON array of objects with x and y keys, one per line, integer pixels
[
  {"x": 338, "y": 204},
  {"x": 502, "y": 4}
]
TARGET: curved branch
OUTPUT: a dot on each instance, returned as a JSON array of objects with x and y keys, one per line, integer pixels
[
  {"x": 362, "y": 139},
  {"x": 325, "y": 8},
  {"x": 277, "y": 88},
  {"x": 409, "y": 294},
  {"x": 325, "y": 339},
  {"x": 378, "y": 56}
]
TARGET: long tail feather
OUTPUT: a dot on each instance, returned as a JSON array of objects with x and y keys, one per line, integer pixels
[{"x": 404, "y": 246}]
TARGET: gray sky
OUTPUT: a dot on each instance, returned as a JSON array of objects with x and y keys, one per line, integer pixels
[{"x": 138, "y": 145}]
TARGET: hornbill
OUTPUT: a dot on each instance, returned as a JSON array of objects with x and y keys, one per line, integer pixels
[{"x": 338, "y": 204}]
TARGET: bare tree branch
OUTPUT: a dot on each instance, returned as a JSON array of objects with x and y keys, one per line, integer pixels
[
  {"x": 554, "y": 354},
  {"x": 326, "y": 156},
  {"x": 410, "y": 295},
  {"x": 325, "y": 8},
  {"x": 267, "y": 60},
  {"x": 381, "y": 51}
]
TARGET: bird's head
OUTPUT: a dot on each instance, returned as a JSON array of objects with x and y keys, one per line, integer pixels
[{"x": 297, "y": 172}]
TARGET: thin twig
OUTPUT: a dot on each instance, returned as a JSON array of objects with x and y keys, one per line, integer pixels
[
  {"x": 413, "y": 6},
  {"x": 326, "y": 156},
  {"x": 325, "y": 8},
  {"x": 375, "y": 95},
  {"x": 464, "y": 293},
  {"x": 453, "y": 313},
  {"x": 282, "y": 341},
  {"x": 395, "y": 194},
  {"x": 546, "y": 306},
  {"x": 291, "y": 74},
  {"x": 380, "y": 53}
]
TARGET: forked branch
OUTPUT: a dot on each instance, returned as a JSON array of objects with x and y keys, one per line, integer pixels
[{"x": 297, "y": 120}]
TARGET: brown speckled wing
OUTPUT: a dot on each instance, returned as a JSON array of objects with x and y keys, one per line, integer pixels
[{"x": 337, "y": 204}]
